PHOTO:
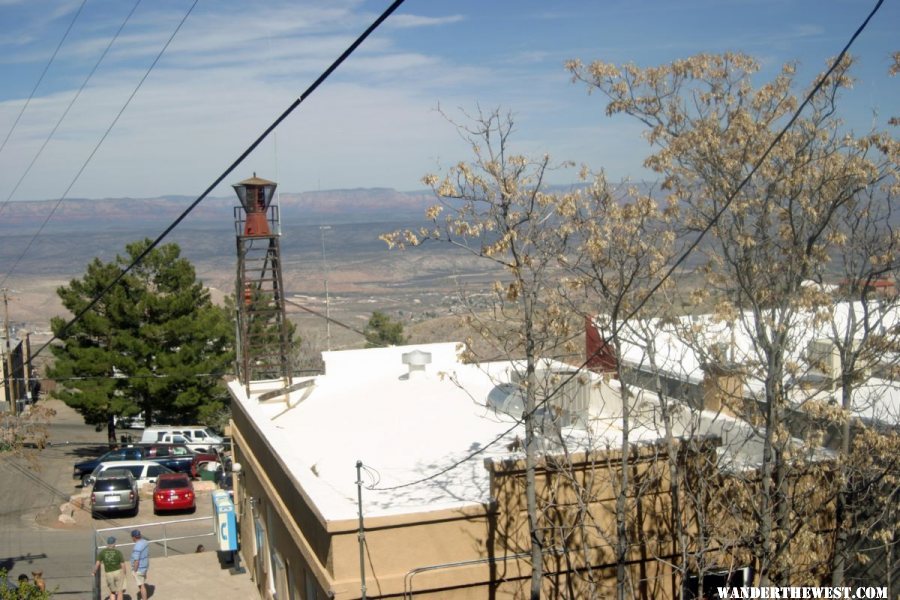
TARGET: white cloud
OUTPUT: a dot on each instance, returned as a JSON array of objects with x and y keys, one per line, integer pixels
[
  {"x": 237, "y": 65},
  {"x": 406, "y": 21}
]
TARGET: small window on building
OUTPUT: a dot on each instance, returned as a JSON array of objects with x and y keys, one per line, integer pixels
[
  {"x": 293, "y": 592},
  {"x": 262, "y": 559},
  {"x": 279, "y": 575}
]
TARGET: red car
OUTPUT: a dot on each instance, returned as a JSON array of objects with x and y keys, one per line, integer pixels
[{"x": 173, "y": 491}]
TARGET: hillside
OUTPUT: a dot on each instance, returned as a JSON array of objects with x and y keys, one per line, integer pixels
[{"x": 121, "y": 214}]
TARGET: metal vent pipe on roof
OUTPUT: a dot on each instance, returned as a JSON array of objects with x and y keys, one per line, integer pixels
[{"x": 417, "y": 361}]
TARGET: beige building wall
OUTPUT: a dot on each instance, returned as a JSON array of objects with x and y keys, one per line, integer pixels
[{"x": 479, "y": 551}]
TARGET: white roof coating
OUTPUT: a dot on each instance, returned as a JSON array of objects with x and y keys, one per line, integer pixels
[
  {"x": 418, "y": 435},
  {"x": 403, "y": 429},
  {"x": 675, "y": 345}
]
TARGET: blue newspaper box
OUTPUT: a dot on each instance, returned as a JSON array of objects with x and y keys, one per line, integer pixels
[{"x": 224, "y": 519}]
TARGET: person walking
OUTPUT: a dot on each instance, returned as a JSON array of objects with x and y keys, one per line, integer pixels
[
  {"x": 140, "y": 562},
  {"x": 114, "y": 564}
]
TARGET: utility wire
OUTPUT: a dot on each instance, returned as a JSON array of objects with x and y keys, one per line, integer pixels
[
  {"x": 69, "y": 107},
  {"x": 329, "y": 319},
  {"x": 41, "y": 78},
  {"x": 725, "y": 205},
  {"x": 312, "y": 88},
  {"x": 730, "y": 198},
  {"x": 91, "y": 156}
]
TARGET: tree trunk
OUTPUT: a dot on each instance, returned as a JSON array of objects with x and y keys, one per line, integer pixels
[
  {"x": 839, "y": 557},
  {"x": 766, "y": 516},
  {"x": 111, "y": 432},
  {"x": 622, "y": 496},
  {"x": 537, "y": 545}
]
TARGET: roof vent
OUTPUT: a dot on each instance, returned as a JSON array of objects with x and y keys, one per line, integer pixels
[{"x": 417, "y": 360}]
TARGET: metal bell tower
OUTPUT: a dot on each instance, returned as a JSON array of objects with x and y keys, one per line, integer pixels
[{"x": 263, "y": 338}]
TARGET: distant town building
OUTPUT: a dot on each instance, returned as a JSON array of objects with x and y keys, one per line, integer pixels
[
  {"x": 700, "y": 359},
  {"x": 18, "y": 383}
]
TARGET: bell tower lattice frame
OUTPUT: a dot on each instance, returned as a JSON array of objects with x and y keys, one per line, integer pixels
[{"x": 263, "y": 337}]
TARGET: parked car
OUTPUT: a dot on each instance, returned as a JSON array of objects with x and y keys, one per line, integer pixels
[
  {"x": 166, "y": 450},
  {"x": 197, "y": 438},
  {"x": 115, "y": 490},
  {"x": 177, "y": 458},
  {"x": 173, "y": 491},
  {"x": 144, "y": 472},
  {"x": 200, "y": 461},
  {"x": 129, "y": 422}
]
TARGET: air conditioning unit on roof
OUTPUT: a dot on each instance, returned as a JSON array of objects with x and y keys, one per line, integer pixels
[
  {"x": 822, "y": 356},
  {"x": 569, "y": 394}
]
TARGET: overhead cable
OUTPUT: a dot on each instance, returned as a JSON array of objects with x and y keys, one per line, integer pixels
[
  {"x": 730, "y": 198},
  {"x": 312, "y": 88},
  {"x": 41, "y": 78},
  {"x": 69, "y": 107},
  {"x": 94, "y": 151}
]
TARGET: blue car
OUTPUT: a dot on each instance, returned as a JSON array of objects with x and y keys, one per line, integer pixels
[{"x": 174, "y": 456}]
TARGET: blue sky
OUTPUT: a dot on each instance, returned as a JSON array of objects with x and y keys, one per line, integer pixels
[{"x": 236, "y": 64}]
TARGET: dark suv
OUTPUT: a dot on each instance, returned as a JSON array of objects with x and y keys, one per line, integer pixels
[
  {"x": 176, "y": 457},
  {"x": 115, "y": 490}
]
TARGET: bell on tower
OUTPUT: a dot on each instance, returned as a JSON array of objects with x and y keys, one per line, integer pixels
[
  {"x": 263, "y": 336},
  {"x": 256, "y": 196}
]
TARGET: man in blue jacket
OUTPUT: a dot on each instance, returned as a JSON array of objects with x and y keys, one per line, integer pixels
[{"x": 140, "y": 562}]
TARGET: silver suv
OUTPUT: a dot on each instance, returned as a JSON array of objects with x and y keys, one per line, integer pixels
[{"x": 114, "y": 490}]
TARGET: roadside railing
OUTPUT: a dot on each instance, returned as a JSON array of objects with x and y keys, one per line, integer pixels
[{"x": 150, "y": 532}]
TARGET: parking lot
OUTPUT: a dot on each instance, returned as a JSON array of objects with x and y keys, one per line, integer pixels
[{"x": 45, "y": 526}]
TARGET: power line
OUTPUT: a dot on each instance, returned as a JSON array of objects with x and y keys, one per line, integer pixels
[
  {"x": 41, "y": 78},
  {"x": 668, "y": 273},
  {"x": 730, "y": 198},
  {"x": 312, "y": 88},
  {"x": 327, "y": 318},
  {"x": 94, "y": 151},
  {"x": 69, "y": 107}
]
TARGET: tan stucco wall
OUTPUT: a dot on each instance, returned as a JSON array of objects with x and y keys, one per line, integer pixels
[{"x": 420, "y": 551}]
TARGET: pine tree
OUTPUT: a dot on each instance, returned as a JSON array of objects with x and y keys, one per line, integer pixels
[
  {"x": 155, "y": 343},
  {"x": 382, "y": 331}
]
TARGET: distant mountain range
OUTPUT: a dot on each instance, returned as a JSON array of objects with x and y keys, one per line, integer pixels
[{"x": 364, "y": 205}]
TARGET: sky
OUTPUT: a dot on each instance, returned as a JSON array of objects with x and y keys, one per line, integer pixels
[{"x": 385, "y": 118}]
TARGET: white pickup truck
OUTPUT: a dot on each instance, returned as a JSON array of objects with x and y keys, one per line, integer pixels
[
  {"x": 198, "y": 439},
  {"x": 193, "y": 445}
]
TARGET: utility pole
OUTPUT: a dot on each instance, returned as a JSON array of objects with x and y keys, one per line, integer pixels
[
  {"x": 322, "y": 230},
  {"x": 10, "y": 380},
  {"x": 27, "y": 368},
  {"x": 361, "y": 536}
]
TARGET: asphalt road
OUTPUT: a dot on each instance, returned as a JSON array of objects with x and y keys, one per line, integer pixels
[{"x": 32, "y": 491}]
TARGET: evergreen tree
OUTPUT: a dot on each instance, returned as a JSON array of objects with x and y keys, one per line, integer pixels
[
  {"x": 155, "y": 343},
  {"x": 382, "y": 331}
]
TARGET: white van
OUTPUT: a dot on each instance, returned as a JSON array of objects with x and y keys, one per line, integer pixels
[{"x": 195, "y": 437}]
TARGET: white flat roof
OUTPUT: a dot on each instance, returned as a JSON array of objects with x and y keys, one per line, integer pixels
[
  {"x": 419, "y": 436},
  {"x": 403, "y": 429},
  {"x": 675, "y": 343}
]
